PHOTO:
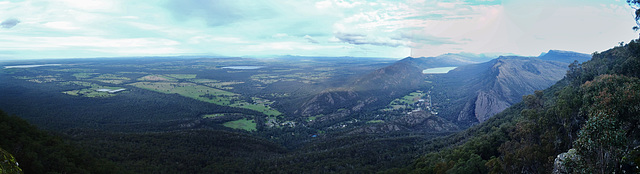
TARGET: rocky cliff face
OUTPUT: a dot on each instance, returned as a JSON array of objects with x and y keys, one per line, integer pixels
[
  {"x": 504, "y": 84},
  {"x": 487, "y": 104}
]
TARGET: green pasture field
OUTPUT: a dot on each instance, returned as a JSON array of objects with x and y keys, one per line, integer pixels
[
  {"x": 182, "y": 76},
  {"x": 245, "y": 124},
  {"x": 216, "y": 83},
  {"x": 221, "y": 85},
  {"x": 111, "y": 78},
  {"x": 204, "y": 80},
  {"x": 311, "y": 118},
  {"x": 91, "y": 91},
  {"x": 407, "y": 99},
  {"x": 257, "y": 107},
  {"x": 300, "y": 77},
  {"x": 83, "y": 75},
  {"x": 156, "y": 78},
  {"x": 207, "y": 94},
  {"x": 212, "y": 115}
]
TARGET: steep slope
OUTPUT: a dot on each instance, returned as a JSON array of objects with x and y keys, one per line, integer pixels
[
  {"x": 473, "y": 93},
  {"x": 590, "y": 117},
  {"x": 503, "y": 83}
]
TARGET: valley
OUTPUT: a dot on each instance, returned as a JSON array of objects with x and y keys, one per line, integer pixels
[
  {"x": 300, "y": 104},
  {"x": 232, "y": 85}
]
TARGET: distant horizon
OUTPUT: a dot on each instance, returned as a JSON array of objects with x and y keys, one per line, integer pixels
[{"x": 489, "y": 55}]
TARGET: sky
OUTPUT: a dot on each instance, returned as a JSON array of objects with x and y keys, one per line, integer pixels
[{"x": 39, "y": 29}]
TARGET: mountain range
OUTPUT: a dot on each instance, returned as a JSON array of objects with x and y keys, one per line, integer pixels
[
  {"x": 336, "y": 123},
  {"x": 477, "y": 89},
  {"x": 584, "y": 123}
]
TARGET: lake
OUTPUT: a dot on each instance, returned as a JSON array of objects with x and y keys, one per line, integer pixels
[
  {"x": 30, "y": 66},
  {"x": 110, "y": 90},
  {"x": 242, "y": 67},
  {"x": 439, "y": 70}
]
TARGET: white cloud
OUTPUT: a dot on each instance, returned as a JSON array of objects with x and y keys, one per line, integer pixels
[
  {"x": 449, "y": 5},
  {"x": 582, "y": 27},
  {"x": 91, "y": 5},
  {"x": 61, "y": 25},
  {"x": 83, "y": 41},
  {"x": 335, "y": 27},
  {"x": 279, "y": 35},
  {"x": 220, "y": 39},
  {"x": 283, "y": 46},
  {"x": 323, "y": 4},
  {"x": 346, "y": 4},
  {"x": 310, "y": 39}
]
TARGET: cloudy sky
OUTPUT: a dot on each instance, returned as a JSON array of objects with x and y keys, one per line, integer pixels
[{"x": 31, "y": 29}]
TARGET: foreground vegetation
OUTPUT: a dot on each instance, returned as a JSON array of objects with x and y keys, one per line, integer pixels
[
  {"x": 590, "y": 117},
  {"x": 37, "y": 151}
]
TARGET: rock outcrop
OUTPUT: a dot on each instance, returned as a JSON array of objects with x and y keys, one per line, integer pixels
[
  {"x": 8, "y": 163},
  {"x": 560, "y": 163},
  {"x": 493, "y": 86}
]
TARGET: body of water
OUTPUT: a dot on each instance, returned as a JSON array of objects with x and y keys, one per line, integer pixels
[
  {"x": 242, "y": 67},
  {"x": 31, "y": 66},
  {"x": 110, "y": 90},
  {"x": 439, "y": 70}
]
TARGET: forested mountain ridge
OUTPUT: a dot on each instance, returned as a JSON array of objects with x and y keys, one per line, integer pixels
[
  {"x": 591, "y": 114},
  {"x": 37, "y": 151},
  {"x": 480, "y": 90},
  {"x": 498, "y": 84}
]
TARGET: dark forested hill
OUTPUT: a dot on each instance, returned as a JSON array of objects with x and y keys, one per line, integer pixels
[
  {"x": 585, "y": 123},
  {"x": 37, "y": 151}
]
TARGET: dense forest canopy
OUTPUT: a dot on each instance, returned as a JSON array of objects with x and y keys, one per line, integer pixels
[{"x": 586, "y": 123}]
